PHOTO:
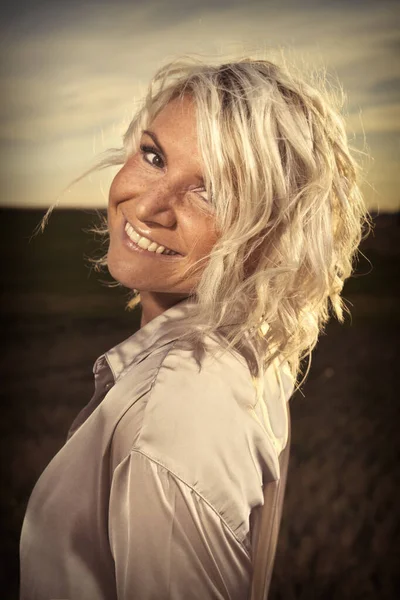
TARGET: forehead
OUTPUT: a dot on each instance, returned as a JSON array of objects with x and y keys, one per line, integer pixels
[
  {"x": 184, "y": 104},
  {"x": 178, "y": 116}
]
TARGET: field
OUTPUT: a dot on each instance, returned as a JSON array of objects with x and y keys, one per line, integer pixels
[{"x": 340, "y": 529}]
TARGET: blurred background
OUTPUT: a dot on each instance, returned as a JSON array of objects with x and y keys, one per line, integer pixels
[{"x": 71, "y": 76}]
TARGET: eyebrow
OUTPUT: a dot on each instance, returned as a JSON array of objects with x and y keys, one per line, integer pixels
[
  {"x": 158, "y": 144},
  {"x": 156, "y": 141}
]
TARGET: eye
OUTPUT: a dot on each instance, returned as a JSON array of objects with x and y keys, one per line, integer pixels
[
  {"x": 151, "y": 150},
  {"x": 205, "y": 198},
  {"x": 205, "y": 195},
  {"x": 145, "y": 149}
]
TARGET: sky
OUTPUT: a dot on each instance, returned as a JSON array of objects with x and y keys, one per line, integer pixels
[{"x": 72, "y": 73}]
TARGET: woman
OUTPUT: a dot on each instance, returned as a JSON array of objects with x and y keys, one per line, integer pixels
[{"x": 234, "y": 219}]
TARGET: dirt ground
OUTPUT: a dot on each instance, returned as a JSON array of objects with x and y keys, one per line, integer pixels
[{"x": 340, "y": 529}]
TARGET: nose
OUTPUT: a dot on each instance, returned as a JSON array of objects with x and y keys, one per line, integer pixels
[{"x": 157, "y": 204}]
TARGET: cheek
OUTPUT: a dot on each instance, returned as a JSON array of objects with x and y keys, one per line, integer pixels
[
  {"x": 204, "y": 239},
  {"x": 212, "y": 235},
  {"x": 123, "y": 184},
  {"x": 111, "y": 206},
  {"x": 116, "y": 189}
]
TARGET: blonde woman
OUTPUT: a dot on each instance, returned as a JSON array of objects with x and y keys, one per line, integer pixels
[{"x": 234, "y": 220}]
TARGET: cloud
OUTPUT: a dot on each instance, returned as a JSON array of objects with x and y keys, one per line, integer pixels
[
  {"x": 385, "y": 91},
  {"x": 76, "y": 105},
  {"x": 71, "y": 72}
]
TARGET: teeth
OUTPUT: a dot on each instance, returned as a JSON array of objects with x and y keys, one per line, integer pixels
[{"x": 144, "y": 243}]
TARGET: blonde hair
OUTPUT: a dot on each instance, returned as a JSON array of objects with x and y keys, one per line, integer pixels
[{"x": 285, "y": 191}]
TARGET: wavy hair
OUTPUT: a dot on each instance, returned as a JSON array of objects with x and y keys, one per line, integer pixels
[{"x": 284, "y": 188}]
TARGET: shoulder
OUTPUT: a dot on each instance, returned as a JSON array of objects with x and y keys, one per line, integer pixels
[
  {"x": 194, "y": 423},
  {"x": 170, "y": 390},
  {"x": 190, "y": 403},
  {"x": 187, "y": 415},
  {"x": 198, "y": 423}
]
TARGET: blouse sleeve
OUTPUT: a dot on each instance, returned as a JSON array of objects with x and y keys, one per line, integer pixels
[{"x": 167, "y": 541}]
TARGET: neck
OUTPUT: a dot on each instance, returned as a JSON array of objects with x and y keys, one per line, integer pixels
[{"x": 155, "y": 303}]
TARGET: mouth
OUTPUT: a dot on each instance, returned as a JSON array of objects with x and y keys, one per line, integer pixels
[{"x": 137, "y": 243}]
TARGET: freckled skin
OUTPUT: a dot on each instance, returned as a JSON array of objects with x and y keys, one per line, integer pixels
[{"x": 161, "y": 201}]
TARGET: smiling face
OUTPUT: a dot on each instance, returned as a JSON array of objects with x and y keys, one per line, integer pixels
[{"x": 159, "y": 193}]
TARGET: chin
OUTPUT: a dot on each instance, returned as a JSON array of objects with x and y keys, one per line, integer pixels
[{"x": 119, "y": 273}]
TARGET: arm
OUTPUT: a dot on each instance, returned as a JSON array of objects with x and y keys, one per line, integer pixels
[{"x": 167, "y": 541}]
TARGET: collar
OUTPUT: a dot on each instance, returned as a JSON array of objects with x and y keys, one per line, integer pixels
[{"x": 161, "y": 330}]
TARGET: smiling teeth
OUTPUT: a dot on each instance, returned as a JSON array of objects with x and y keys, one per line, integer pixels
[{"x": 144, "y": 243}]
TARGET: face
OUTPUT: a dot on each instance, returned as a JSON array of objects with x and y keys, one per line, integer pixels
[{"x": 159, "y": 194}]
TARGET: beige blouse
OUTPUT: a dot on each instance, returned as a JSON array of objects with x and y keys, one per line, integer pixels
[{"x": 159, "y": 489}]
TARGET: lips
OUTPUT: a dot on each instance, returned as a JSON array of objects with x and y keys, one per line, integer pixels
[{"x": 150, "y": 239}]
